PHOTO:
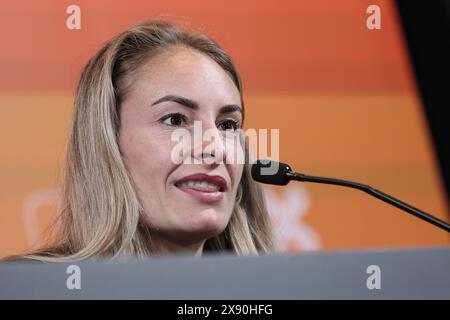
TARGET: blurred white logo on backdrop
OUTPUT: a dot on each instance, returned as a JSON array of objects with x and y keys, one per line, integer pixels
[
  {"x": 287, "y": 212},
  {"x": 30, "y": 212}
]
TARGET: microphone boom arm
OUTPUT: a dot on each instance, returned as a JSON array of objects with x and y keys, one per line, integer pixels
[{"x": 374, "y": 192}]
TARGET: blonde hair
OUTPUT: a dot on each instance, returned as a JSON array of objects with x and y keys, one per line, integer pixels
[{"x": 100, "y": 215}]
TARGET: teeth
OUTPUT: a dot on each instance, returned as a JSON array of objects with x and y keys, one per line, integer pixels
[{"x": 199, "y": 184}]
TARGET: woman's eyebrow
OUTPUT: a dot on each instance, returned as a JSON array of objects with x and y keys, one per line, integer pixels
[
  {"x": 194, "y": 105},
  {"x": 181, "y": 100}
]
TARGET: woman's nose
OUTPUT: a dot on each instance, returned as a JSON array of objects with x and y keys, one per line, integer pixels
[{"x": 208, "y": 144}]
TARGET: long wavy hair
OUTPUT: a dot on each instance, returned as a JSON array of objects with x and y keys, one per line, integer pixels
[{"x": 99, "y": 214}]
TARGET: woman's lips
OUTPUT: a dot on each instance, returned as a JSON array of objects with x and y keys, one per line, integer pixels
[
  {"x": 204, "y": 196},
  {"x": 203, "y": 187}
]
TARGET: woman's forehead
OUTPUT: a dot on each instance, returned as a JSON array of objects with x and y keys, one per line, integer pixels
[{"x": 185, "y": 72}]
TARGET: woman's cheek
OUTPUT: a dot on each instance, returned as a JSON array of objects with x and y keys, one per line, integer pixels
[
  {"x": 159, "y": 144},
  {"x": 233, "y": 147}
]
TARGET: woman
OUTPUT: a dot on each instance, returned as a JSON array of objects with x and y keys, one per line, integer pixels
[{"x": 122, "y": 195}]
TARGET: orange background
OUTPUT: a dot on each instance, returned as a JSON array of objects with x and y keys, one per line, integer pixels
[{"x": 344, "y": 98}]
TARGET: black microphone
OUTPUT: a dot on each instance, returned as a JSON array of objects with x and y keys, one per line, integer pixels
[{"x": 271, "y": 172}]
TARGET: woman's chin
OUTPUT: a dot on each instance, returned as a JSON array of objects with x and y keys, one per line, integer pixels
[{"x": 208, "y": 222}]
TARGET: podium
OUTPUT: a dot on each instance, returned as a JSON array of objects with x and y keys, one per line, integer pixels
[{"x": 419, "y": 273}]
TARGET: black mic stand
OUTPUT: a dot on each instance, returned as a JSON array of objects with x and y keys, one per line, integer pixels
[{"x": 284, "y": 175}]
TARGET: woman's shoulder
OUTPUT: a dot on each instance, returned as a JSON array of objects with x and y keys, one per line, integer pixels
[
  {"x": 37, "y": 257},
  {"x": 20, "y": 259}
]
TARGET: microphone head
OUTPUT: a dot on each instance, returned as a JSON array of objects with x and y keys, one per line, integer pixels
[{"x": 270, "y": 172}]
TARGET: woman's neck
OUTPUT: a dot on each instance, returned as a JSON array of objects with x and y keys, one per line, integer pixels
[{"x": 165, "y": 246}]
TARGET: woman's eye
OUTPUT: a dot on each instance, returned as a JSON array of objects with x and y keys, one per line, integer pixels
[
  {"x": 174, "y": 119},
  {"x": 228, "y": 125}
]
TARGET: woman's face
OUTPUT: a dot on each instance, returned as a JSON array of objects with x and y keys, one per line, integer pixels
[{"x": 184, "y": 204}]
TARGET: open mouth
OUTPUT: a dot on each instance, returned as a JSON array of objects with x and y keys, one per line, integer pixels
[{"x": 204, "y": 186}]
